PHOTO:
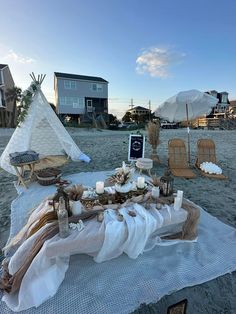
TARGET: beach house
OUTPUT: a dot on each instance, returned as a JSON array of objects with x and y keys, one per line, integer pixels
[
  {"x": 221, "y": 108},
  {"x": 80, "y": 97},
  {"x": 6, "y": 82},
  {"x": 217, "y": 115}
]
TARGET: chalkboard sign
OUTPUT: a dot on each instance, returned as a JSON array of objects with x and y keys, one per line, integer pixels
[{"x": 136, "y": 147}]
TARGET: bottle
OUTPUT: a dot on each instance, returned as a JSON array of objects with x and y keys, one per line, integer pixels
[{"x": 62, "y": 215}]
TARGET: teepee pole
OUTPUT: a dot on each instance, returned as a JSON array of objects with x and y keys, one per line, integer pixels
[
  {"x": 40, "y": 78},
  {"x": 32, "y": 76}
]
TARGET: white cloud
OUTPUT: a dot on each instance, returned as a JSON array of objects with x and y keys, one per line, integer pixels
[
  {"x": 156, "y": 61},
  {"x": 18, "y": 58},
  {"x": 8, "y": 55}
]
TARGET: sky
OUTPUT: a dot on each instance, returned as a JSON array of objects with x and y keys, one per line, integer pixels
[{"x": 147, "y": 50}]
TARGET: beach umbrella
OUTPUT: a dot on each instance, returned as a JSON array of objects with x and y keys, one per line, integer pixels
[{"x": 186, "y": 105}]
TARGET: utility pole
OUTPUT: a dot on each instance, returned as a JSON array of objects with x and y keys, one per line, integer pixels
[
  {"x": 149, "y": 106},
  {"x": 131, "y": 103}
]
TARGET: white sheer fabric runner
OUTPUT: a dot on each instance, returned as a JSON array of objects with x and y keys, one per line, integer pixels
[{"x": 104, "y": 241}]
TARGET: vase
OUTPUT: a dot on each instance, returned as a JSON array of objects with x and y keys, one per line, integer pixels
[
  {"x": 76, "y": 208},
  {"x": 125, "y": 188}
]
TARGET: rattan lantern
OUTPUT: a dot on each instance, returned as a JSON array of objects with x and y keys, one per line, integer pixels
[
  {"x": 61, "y": 193},
  {"x": 167, "y": 183}
]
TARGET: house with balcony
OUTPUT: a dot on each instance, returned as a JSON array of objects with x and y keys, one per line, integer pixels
[
  {"x": 81, "y": 97},
  {"x": 221, "y": 108},
  {"x": 6, "y": 82},
  {"x": 218, "y": 113},
  {"x": 139, "y": 110}
]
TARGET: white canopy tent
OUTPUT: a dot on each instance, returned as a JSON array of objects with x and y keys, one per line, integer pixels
[{"x": 42, "y": 132}]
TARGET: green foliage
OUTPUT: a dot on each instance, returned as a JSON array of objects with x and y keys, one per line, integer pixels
[{"x": 26, "y": 100}]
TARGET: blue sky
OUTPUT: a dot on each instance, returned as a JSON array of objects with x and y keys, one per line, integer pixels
[{"x": 147, "y": 50}]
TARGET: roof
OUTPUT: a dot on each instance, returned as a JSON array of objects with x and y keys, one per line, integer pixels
[
  {"x": 139, "y": 108},
  {"x": 2, "y": 66},
  {"x": 80, "y": 77}
]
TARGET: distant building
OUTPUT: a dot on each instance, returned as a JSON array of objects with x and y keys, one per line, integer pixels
[
  {"x": 221, "y": 108},
  {"x": 85, "y": 97},
  {"x": 139, "y": 111},
  {"x": 6, "y": 82},
  {"x": 218, "y": 114},
  {"x": 232, "y": 109}
]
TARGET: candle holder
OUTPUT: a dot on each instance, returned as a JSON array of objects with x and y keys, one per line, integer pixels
[{"x": 167, "y": 183}]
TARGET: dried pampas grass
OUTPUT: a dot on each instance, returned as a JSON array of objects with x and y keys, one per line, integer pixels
[{"x": 153, "y": 130}]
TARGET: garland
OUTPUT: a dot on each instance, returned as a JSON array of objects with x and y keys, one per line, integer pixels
[{"x": 26, "y": 100}]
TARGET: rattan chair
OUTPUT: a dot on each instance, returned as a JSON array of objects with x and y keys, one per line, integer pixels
[
  {"x": 178, "y": 159},
  {"x": 206, "y": 152}
]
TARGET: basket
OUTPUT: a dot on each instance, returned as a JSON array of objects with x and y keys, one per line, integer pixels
[{"x": 48, "y": 176}]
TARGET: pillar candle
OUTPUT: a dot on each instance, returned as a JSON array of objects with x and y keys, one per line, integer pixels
[
  {"x": 180, "y": 194},
  {"x": 177, "y": 203},
  {"x": 99, "y": 187},
  {"x": 140, "y": 182},
  {"x": 155, "y": 192}
]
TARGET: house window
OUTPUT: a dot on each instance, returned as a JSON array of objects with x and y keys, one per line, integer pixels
[
  {"x": 2, "y": 101},
  {"x": 69, "y": 84},
  {"x": 62, "y": 101},
  {"x": 96, "y": 87},
  {"x": 78, "y": 103},
  {"x": 224, "y": 98},
  {"x": 74, "y": 102}
]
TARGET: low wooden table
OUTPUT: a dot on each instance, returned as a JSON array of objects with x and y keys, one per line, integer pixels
[{"x": 20, "y": 171}]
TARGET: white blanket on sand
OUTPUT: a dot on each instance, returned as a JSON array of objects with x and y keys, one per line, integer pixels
[{"x": 122, "y": 284}]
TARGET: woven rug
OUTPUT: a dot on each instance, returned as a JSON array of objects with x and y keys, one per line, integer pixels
[{"x": 122, "y": 284}]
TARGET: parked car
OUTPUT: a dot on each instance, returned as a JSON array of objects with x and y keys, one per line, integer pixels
[{"x": 168, "y": 125}]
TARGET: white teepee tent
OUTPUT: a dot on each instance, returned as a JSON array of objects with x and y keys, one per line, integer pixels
[{"x": 42, "y": 132}]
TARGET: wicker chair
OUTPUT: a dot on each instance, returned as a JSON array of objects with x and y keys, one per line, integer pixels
[
  {"x": 206, "y": 152},
  {"x": 178, "y": 159}
]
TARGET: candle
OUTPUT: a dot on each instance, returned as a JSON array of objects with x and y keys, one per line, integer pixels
[
  {"x": 180, "y": 194},
  {"x": 140, "y": 182},
  {"x": 99, "y": 187},
  {"x": 155, "y": 192},
  {"x": 177, "y": 203}
]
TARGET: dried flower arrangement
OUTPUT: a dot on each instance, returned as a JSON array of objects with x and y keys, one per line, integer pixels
[
  {"x": 155, "y": 180},
  {"x": 153, "y": 130},
  {"x": 75, "y": 192},
  {"x": 123, "y": 175}
]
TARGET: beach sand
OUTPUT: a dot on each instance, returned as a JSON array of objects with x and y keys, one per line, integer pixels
[{"x": 107, "y": 150}]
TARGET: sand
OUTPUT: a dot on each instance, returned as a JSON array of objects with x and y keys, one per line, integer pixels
[{"x": 108, "y": 149}]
